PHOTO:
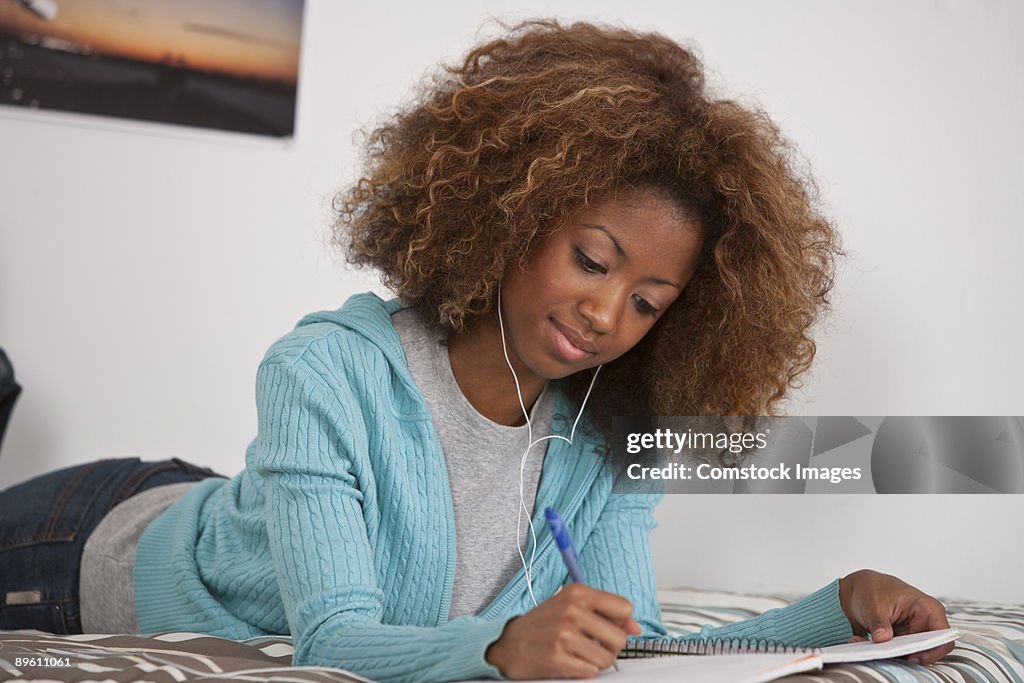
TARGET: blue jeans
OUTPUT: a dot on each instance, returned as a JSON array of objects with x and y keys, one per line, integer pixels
[{"x": 44, "y": 523}]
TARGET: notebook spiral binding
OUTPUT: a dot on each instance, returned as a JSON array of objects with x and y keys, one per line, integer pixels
[{"x": 656, "y": 647}]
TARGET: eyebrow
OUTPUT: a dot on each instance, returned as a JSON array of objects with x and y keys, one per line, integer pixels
[{"x": 618, "y": 248}]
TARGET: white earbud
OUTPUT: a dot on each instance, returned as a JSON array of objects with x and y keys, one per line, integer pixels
[{"x": 528, "y": 570}]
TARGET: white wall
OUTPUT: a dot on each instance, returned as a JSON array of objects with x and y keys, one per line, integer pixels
[{"x": 144, "y": 271}]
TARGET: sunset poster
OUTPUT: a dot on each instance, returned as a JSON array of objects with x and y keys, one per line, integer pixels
[{"x": 220, "y": 64}]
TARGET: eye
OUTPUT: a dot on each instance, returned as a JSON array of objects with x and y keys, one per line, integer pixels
[
  {"x": 588, "y": 264},
  {"x": 645, "y": 308}
]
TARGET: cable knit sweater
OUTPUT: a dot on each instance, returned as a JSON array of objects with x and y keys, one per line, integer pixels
[{"x": 340, "y": 529}]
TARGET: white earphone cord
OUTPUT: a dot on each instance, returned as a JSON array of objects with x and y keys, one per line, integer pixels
[{"x": 528, "y": 570}]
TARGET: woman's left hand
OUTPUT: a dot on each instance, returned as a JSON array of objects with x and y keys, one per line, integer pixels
[{"x": 884, "y": 606}]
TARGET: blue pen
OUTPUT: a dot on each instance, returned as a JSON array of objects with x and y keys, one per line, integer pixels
[
  {"x": 570, "y": 555},
  {"x": 565, "y": 545}
]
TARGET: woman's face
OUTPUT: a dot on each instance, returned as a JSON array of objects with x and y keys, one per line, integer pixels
[{"x": 597, "y": 285}]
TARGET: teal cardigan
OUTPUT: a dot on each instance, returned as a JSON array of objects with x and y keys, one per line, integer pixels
[{"x": 340, "y": 530}]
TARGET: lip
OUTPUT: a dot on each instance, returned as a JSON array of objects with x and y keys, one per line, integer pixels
[{"x": 570, "y": 344}]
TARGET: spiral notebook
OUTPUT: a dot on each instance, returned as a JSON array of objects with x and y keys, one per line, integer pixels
[
  {"x": 834, "y": 654},
  {"x": 740, "y": 661}
]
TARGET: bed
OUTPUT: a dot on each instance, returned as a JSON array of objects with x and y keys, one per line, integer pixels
[{"x": 991, "y": 650}]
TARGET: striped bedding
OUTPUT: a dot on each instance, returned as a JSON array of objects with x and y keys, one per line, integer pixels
[{"x": 992, "y": 650}]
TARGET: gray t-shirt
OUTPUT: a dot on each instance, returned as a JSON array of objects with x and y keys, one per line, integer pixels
[
  {"x": 106, "y": 596},
  {"x": 483, "y": 461}
]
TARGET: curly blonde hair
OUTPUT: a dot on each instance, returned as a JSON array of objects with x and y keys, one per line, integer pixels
[{"x": 536, "y": 124}]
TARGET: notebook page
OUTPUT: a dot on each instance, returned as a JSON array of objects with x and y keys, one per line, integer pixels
[
  {"x": 897, "y": 647},
  {"x": 759, "y": 668}
]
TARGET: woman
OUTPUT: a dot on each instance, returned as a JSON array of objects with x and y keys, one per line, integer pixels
[{"x": 569, "y": 200}]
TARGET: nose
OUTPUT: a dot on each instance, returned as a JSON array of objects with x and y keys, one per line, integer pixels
[{"x": 601, "y": 307}]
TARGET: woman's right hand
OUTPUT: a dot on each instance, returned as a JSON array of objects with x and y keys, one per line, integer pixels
[{"x": 575, "y": 633}]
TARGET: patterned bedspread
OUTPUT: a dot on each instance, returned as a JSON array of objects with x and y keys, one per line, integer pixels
[{"x": 992, "y": 650}]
